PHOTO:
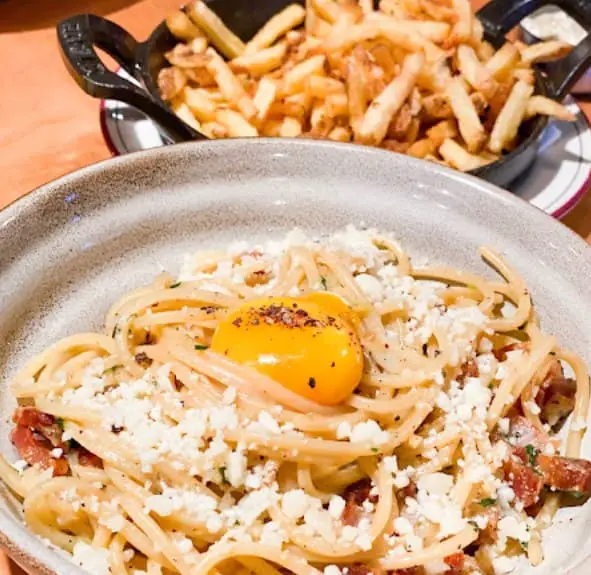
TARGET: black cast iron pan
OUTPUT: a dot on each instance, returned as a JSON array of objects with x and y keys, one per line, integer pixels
[{"x": 143, "y": 60}]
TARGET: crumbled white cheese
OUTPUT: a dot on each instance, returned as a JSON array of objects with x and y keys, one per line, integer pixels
[
  {"x": 369, "y": 431},
  {"x": 578, "y": 424},
  {"x": 91, "y": 559},
  {"x": 504, "y": 565},
  {"x": 532, "y": 406},
  {"x": 336, "y": 506},
  {"x": 20, "y": 465},
  {"x": 510, "y": 527},
  {"x": 402, "y": 526}
]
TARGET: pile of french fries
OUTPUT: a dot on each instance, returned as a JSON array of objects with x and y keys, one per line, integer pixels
[{"x": 414, "y": 76}]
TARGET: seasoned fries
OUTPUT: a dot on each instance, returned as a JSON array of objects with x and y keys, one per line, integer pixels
[
  {"x": 381, "y": 111},
  {"x": 464, "y": 110},
  {"x": 276, "y": 27},
  {"x": 510, "y": 118},
  {"x": 413, "y": 76}
]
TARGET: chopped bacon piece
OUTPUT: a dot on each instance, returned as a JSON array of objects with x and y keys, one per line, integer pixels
[
  {"x": 407, "y": 571},
  {"x": 455, "y": 561},
  {"x": 89, "y": 459},
  {"x": 36, "y": 450},
  {"x": 360, "y": 569},
  {"x": 556, "y": 397},
  {"x": 38, "y": 421},
  {"x": 410, "y": 490},
  {"x": 565, "y": 473},
  {"x": 522, "y": 432},
  {"x": 525, "y": 482},
  {"x": 467, "y": 369},
  {"x": 501, "y": 353},
  {"x": 489, "y": 534},
  {"x": 529, "y": 469},
  {"x": 354, "y": 496}
]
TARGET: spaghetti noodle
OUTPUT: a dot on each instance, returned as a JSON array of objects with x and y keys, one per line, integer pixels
[{"x": 304, "y": 406}]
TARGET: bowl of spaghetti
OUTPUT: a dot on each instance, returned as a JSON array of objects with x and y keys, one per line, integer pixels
[{"x": 291, "y": 357}]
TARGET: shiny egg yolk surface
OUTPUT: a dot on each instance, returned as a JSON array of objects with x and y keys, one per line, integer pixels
[{"x": 308, "y": 344}]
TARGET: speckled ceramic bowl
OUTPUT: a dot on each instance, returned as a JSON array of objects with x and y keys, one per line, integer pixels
[{"x": 73, "y": 246}]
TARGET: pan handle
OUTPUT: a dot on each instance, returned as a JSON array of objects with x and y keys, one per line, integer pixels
[
  {"x": 500, "y": 16},
  {"x": 77, "y": 37}
]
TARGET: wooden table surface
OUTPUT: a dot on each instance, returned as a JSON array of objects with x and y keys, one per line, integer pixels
[{"x": 49, "y": 127}]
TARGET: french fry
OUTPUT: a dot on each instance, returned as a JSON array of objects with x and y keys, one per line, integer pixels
[
  {"x": 400, "y": 124},
  {"x": 288, "y": 19},
  {"x": 295, "y": 79},
  {"x": 290, "y": 128},
  {"x": 213, "y": 94},
  {"x": 479, "y": 102},
  {"x": 182, "y": 56},
  {"x": 322, "y": 86},
  {"x": 498, "y": 101},
  {"x": 436, "y": 107},
  {"x": 283, "y": 108},
  {"x": 485, "y": 51},
  {"x": 220, "y": 36},
  {"x": 264, "y": 98},
  {"x": 382, "y": 55},
  {"x": 184, "y": 113},
  {"x": 327, "y": 9},
  {"x": 412, "y": 41},
  {"x": 525, "y": 75},
  {"x": 314, "y": 24},
  {"x": 381, "y": 111},
  {"x": 542, "y": 106},
  {"x": 503, "y": 61},
  {"x": 446, "y": 130},
  {"x": 463, "y": 108},
  {"x": 366, "y": 6},
  {"x": 200, "y": 105},
  {"x": 478, "y": 76},
  {"x": 236, "y": 125},
  {"x": 336, "y": 105},
  {"x": 421, "y": 148},
  {"x": 457, "y": 157},
  {"x": 508, "y": 121},
  {"x": 229, "y": 85},
  {"x": 262, "y": 62},
  {"x": 271, "y": 128},
  {"x": 355, "y": 91},
  {"x": 214, "y": 130},
  {"x": 545, "y": 51},
  {"x": 181, "y": 27},
  {"x": 477, "y": 33},
  {"x": 434, "y": 76},
  {"x": 462, "y": 30},
  {"x": 199, "y": 45},
  {"x": 302, "y": 99},
  {"x": 415, "y": 102},
  {"x": 434, "y": 31},
  {"x": 438, "y": 11},
  {"x": 340, "y": 134},
  {"x": 412, "y": 133},
  {"x": 320, "y": 122},
  {"x": 171, "y": 81},
  {"x": 395, "y": 146},
  {"x": 200, "y": 77}
]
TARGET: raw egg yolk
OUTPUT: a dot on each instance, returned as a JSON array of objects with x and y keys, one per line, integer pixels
[{"x": 307, "y": 344}]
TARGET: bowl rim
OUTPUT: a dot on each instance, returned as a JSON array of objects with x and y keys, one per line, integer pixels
[{"x": 20, "y": 208}]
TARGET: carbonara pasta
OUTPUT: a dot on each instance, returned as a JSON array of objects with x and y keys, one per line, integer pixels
[{"x": 305, "y": 406}]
